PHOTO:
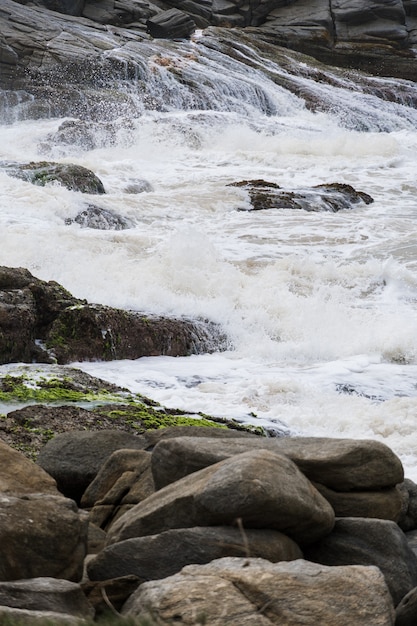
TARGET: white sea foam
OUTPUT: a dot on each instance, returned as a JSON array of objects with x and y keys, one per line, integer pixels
[{"x": 320, "y": 307}]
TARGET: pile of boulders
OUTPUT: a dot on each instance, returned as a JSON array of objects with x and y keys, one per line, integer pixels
[{"x": 202, "y": 526}]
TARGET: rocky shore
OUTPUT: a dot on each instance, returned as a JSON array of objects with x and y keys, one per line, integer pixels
[{"x": 203, "y": 525}]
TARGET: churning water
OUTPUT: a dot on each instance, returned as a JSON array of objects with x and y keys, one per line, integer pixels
[{"x": 320, "y": 308}]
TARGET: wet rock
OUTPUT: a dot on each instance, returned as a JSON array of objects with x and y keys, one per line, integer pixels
[
  {"x": 340, "y": 464},
  {"x": 46, "y": 594},
  {"x": 360, "y": 541},
  {"x": 100, "y": 219},
  {"x": 254, "y": 591},
  {"x": 159, "y": 556},
  {"x": 263, "y": 489},
  {"x": 329, "y": 197},
  {"x": 73, "y": 177},
  {"x": 41, "y": 536},
  {"x": 42, "y": 322},
  {"x": 74, "y": 458},
  {"x": 171, "y": 24}
]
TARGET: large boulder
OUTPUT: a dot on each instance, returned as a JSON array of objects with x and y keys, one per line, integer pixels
[
  {"x": 380, "y": 504},
  {"x": 74, "y": 458},
  {"x": 340, "y": 464},
  {"x": 254, "y": 592},
  {"x": 41, "y": 536},
  {"x": 20, "y": 476},
  {"x": 73, "y": 177},
  {"x": 159, "y": 556},
  {"x": 259, "y": 489},
  {"x": 359, "y": 541}
]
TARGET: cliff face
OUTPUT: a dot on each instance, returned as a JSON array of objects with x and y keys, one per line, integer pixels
[{"x": 83, "y": 40}]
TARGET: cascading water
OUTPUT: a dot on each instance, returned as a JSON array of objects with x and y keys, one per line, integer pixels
[{"x": 320, "y": 307}]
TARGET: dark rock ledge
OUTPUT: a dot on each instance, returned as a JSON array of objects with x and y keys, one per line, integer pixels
[{"x": 42, "y": 322}]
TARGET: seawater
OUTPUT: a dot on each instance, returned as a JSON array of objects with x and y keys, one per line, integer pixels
[{"x": 320, "y": 308}]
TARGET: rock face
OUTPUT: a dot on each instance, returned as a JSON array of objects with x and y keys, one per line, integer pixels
[
  {"x": 256, "y": 592},
  {"x": 41, "y": 321},
  {"x": 260, "y": 488}
]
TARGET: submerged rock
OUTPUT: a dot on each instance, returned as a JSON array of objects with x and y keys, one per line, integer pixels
[
  {"x": 73, "y": 177},
  {"x": 100, "y": 219},
  {"x": 328, "y": 197}
]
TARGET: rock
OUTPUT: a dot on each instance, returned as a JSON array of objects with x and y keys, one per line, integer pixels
[
  {"x": 101, "y": 219},
  {"x": 360, "y": 541},
  {"x": 42, "y": 322},
  {"x": 411, "y": 537},
  {"x": 46, "y": 594},
  {"x": 41, "y": 536},
  {"x": 260, "y": 488},
  {"x": 73, "y": 177},
  {"x": 138, "y": 186},
  {"x": 23, "y": 617},
  {"x": 90, "y": 332},
  {"x": 256, "y": 592},
  {"x": 406, "y": 611},
  {"x": 124, "y": 479},
  {"x": 20, "y": 476},
  {"x": 158, "y": 556},
  {"x": 330, "y": 197},
  {"x": 339, "y": 464},
  {"x": 74, "y": 458},
  {"x": 382, "y": 504},
  {"x": 70, "y": 7},
  {"x": 114, "y": 592},
  {"x": 408, "y": 520},
  {"x": 154, "y": 436},
  {"x": 96, "y": 538},
  {"x": 171, "y": 24}
]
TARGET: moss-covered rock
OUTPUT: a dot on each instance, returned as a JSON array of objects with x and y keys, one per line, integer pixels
[{"x": 73, "y": 177}]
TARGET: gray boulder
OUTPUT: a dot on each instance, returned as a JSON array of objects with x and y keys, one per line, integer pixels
[
  {"x": 158, "y": 556},
  {"x": 340, "y": 464},
  {"x": 100, "y": 219},
  {"x": 74, "y": 458},
  {"x": 73, "y": 177},
  {"x": 260, "y": 488},
  {"x": 171, "y": 24},
  {"x": 406, "y": 611},
  {"x": 41, "y": 536},
  {"x": 46, "y": 594},
  {"x": 254, "y": 592},
  {"x": 381, "y": 504},
  {"x": 360, "y": 541}
]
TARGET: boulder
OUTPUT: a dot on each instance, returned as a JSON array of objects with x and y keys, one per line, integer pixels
[
  {"x": 158, "y": 556},
  {"x": 100, "y": 219},
  {"x": 20, "y": 476},
  {"x": 124, "y": 479},
  {"x": 41, "y": 536},
  {"x": 74, "y": 458},
  {"x": 360, "y": 541},
  {"x": 339, "y": 464},
  {"x": 382, "y": 504},
  {"x": 255, "y": 592},
  {"x": 259, "y": 489},
  {"x": 73, "y": 177},
  {"x": 46, "y": 594},
  {"x": 408, "y": 519},
  {"x": 171, "y": 24},
  {"x": 24, "y": 617},
  {"x": 41, "y": 322},
  {"x": 406, "y": 611},
  {"x": 329, "y": 197}
]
